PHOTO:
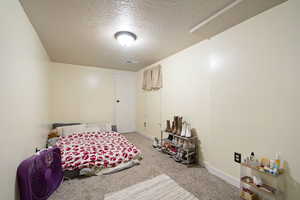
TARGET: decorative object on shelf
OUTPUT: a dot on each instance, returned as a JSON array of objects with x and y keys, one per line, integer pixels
[
  {"x": 156, "y": 143},
  {"x": 188, "y": 144},
  {"x": 262, "y": 170},
  {"x": 181, "y": 149},
  {"x": 174, "y": 125},
  {"x": 185, "y": 144},
  {"x": 247, "y": 179},
  {"x": 179, "y": 126},
  {"x": 183, "y": 130},
  {"x": 179, "y": 156},
  {"x": 169, "y": 148},
  {"x": 277, "y": 162},
  {"x": 168, "y": 128},
  {"x": 174, "y": 141},
  {"x": 189, "y": 158},
  {"x": 259, "y": 181},
  {"x": 188, "y": 131},
  {"x": 265, "y": 162},
  {"x": 180, "y": 143},
  {"x": 247, "y": 194},
  {"x": 262, "y": 187},
  {"x": 170, "y": 137},
  {"x": 252, "y": 160},
  {"x": 272, "y": 164},
  {"x": 271, "y": 170}
]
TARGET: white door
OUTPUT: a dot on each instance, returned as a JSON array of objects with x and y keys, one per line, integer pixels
[
  {"x": 125, "y": 101},
  {"x": 153, "y": 113}
]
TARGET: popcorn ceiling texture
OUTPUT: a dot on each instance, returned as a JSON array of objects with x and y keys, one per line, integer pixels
[
  {"x": 196, "y": 180},
  {"x": 82, "y": 32}
]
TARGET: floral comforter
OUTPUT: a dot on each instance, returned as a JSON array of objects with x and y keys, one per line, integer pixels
[{"x": 95, "y": 149}]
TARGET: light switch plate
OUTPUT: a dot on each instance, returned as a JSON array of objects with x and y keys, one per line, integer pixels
[{"x": 237, "y": 157}]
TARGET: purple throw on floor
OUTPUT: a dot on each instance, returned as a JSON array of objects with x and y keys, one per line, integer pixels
[{"x": 40, "y": 175}]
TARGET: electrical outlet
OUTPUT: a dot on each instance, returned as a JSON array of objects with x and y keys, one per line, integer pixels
[{"x": 237, "y": 157}]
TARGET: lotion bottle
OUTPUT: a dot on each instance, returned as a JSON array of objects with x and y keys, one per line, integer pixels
[{"x": 277, "y": 161}]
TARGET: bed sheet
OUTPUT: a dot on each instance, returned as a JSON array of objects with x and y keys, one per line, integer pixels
[{"x": 95, "y": 149}]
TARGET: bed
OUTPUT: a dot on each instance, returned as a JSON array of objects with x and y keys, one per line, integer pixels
[{"x": 96, "y": 150}]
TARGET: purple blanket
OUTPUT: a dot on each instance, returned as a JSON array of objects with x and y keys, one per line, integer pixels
[{"x": 40, "y": 175}]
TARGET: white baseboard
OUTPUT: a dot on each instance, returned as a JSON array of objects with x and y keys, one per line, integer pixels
[
  {"x": 126, "y": 131},
  {"x": 219, "y": 173}
]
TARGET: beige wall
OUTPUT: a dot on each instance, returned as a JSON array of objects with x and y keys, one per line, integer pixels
[
  {"x": 23, "y": 93},
  {"x": 240, "y": 90},
  {"x": 88, "y": 94},
  {"x": 81, "y": 94}
]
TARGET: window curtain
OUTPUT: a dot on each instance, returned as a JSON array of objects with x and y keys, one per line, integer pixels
[{"x": 152, "y": 78}]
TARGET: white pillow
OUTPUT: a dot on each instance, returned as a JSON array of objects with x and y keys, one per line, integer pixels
[
  {"x": 101, "y": 126},
  {"x": 69, "y": 130},
  {"x": 108, "y": 126},
  {"x": 92, "y": 129},
  {"x": 60, "y": 131}
]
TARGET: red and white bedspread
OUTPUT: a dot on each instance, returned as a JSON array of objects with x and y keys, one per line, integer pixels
[{"x": 100, "y": 149}]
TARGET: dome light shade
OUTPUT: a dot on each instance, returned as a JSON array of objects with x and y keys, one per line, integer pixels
[{"x": 125, "y": 38}]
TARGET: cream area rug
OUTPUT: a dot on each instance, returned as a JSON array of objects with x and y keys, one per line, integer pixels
[{"x": 159, "y": 188}]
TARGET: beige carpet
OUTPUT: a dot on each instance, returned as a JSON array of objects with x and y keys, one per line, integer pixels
[
  {"x": 197, "y": 181},
  {"x": 161, "y": 187}
]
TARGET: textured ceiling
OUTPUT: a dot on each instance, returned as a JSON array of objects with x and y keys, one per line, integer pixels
[{"x": 82, "y": 31}]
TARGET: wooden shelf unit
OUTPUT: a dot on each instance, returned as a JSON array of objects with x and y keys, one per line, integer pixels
[
  {"x": 263, "y": 172},
  {"x": 181, "y": 137},
  {"x": 190, "y": 150},
  {"x": 271, "y": 191}
]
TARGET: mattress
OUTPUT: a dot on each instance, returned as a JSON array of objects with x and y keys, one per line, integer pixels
[{"x": 95, "y": 149}]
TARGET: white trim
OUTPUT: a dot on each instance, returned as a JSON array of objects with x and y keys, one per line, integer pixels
[
  {"x": 126, "y": 131},
  {"x": 220, "y": 12},
  {"x": 219, "y": 173}
]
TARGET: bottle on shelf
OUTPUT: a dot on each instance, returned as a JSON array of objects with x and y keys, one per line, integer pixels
[{"x": 277, "y": 161}]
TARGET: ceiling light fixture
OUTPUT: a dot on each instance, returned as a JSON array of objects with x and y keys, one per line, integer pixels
[{"x": 125, "y": 38}]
